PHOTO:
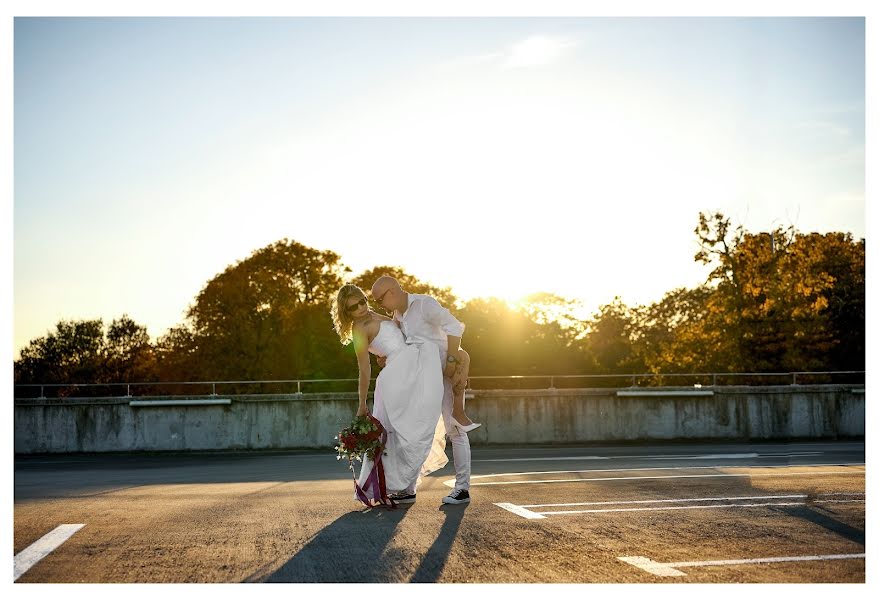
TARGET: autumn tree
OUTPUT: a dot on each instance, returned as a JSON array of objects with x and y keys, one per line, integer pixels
[{"x": 773, "y": 293}]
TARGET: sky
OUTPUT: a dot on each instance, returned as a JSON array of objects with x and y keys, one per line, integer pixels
[{"x": 499, "y": 156}]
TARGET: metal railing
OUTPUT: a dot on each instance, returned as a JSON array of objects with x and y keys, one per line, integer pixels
[{"x": 288, "y": 386}]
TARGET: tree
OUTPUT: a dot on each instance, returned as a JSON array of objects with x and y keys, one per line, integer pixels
[
  {"x": 773, "y": 296},
  {"x": 249, "y": 322},
  {"x": 681, "y": 333},
  {"x": 74, "y": 352},
  {"x": 129, "y": 354},
  {"x": 505, "y": 341},
  {"x": 609, "y": 343},
  {"x": 82, "y": 352}
]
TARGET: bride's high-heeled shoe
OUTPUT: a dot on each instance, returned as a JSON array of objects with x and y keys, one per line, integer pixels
[{"x": 465, "y": 428}]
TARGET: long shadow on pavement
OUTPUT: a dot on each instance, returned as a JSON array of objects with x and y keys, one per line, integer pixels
[
  {"x": 348, "y": 550},
  {"x": 435, "y": 558},
  {"x": 826, "y": 521},
  {"x": 354, "y": 549}
]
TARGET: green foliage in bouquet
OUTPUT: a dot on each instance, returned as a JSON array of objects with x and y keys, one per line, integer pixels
[{"x": 362, "y": 436}]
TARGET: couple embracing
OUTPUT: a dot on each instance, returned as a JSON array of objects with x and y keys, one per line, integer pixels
[{"x": 419, "y": 393}]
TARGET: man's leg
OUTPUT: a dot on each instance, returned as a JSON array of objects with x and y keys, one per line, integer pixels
[{"x": 460, "y": 442}]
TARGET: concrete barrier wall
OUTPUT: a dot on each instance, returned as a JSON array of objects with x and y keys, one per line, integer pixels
[{"x": 509, "y": 417}]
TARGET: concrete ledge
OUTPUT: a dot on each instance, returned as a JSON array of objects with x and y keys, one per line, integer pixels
[
  {"x": 158, "y": 403},
  {"x": 645, "y": 393},
  {"x": 549, "y": 416}
]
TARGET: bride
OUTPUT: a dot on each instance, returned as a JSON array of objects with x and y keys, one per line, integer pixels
[{"x": 408, "y": 390}]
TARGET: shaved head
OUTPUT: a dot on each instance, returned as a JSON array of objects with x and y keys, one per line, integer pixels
[
  {"x": 386, "y": 291},
  {"x": 383, "y": 284}
]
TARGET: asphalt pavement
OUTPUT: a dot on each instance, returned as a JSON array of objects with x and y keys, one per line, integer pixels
[{"x": 769, "y": 512}]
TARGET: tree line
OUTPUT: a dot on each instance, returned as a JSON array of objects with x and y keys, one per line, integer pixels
[{"x": 779, "y": 300}]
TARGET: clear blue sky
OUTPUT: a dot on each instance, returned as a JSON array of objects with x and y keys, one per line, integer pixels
[{"x": 498, "y": 156}]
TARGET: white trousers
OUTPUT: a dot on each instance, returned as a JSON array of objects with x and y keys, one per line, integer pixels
[{"x": 460, "y": 442}]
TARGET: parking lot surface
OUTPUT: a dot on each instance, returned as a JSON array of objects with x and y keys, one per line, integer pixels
[{"x": 633, "y": 513}]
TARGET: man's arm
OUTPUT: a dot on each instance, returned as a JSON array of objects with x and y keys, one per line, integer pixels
[
  {"x": 451, "y": 365},
  {"x": 436, "y": 314}
]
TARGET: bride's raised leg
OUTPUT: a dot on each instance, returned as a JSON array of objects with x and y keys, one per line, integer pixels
[{"x": 459, "y": 385}]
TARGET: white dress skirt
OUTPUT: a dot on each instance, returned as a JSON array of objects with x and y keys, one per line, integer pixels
[{"x": 408, "y": 403}]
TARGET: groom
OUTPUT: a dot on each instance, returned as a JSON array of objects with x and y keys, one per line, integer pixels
[{"x": 424, "y": 319}]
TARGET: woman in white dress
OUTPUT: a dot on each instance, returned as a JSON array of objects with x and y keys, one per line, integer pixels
[{"x": 408, "y": 390}]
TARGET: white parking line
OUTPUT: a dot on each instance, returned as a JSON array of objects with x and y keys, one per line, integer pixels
[
  {"x": 525, "y": 510},
  {"x": 707, "y": 456},
  {"x": 37, "y": 551},
  {"x": 451, "y": 482},
  {"x": 693, "y": 507},
  {"x": 683, "y": 468},
  {"x": 519, "y": 510},
  {"x": 654, "y": 457},
  {"x": 718, "y": 499},
  {"x": 671, "y": 569},
  {"x": 546, "y": 458}
]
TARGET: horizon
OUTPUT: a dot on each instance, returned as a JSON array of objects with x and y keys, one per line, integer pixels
[{"x": 542, "y": 146}]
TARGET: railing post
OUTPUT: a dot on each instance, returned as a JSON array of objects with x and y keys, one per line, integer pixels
[
  {"x": 551, "y": 382},
  {"x": 633, "y": 381},
  {"x": 128, "y": 390},
  {"x": 298, "y": 387},
  {"x": 714, "y": 380},
  {"x": 42, "y": 395},
  {"x": 213, "y": 388},
  {"x": 795, "y": 379}
]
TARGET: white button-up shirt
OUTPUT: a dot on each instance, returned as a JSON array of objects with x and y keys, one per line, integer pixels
[{"x": 426, "y": 320}]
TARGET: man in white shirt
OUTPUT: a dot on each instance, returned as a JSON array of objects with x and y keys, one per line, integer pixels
[{"x": 423, "y": 319}]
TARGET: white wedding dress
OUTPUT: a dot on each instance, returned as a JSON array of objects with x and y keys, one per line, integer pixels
[{"x": 408, "y": 403}]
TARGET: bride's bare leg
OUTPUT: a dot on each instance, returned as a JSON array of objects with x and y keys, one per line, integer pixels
[{"x": 459, "y": 384}]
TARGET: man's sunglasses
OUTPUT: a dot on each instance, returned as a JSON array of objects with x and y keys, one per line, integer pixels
[
  {"x": 382, "y": 297},
  {"x": 353, "y": 307}
]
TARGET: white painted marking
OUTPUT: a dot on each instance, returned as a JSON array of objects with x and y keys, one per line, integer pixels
[
  {"x": 531, "y": 481},
  {"x": 37, "y": 551},
  {"x": 542, "y": 458},
  {"x": 646, "y": 393},
  {"x": 806, "y": 453},
  {"x": 654, "y": 568},
  {"x": 522, "y": 512},
  {"x": 658, "y": 508},
  {"x": 682, "y": 468},
  {"x": 668, "y": 500},
  {"x": 710, "y": 456},
  {"x": 652, "y": 457},
  {"x": 671, "y": 569},
  {"x": 451, "y": 482}
]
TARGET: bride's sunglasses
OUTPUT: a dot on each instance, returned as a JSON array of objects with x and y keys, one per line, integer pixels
[{"x": 353, "y": 307}]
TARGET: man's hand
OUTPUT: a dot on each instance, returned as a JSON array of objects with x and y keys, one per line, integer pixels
[
  {"x": 449, "y": 369},
  {"x": 380, "y": 361},
  {"x": 361, "y": 411}
]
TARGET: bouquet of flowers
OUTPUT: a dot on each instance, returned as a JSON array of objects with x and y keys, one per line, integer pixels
[
  {"x": 362, "y": 436},
  {"x": 366, "y": 436}
]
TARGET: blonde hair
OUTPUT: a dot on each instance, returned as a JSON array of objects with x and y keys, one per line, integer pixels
[{"x": 339, "y": 311}]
